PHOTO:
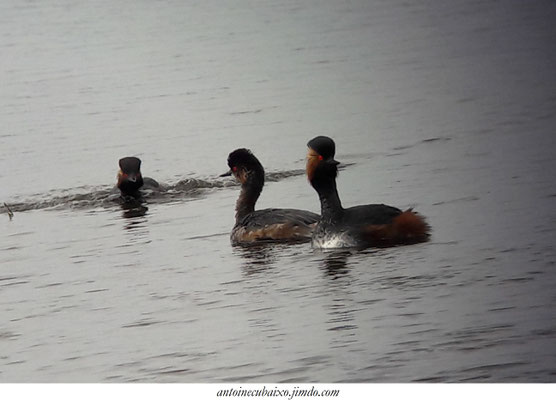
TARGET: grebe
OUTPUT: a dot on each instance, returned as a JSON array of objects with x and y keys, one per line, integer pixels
[
  {"x": 130, "y": 179},
  {"x": 361, "y": 226},
  {"x": 271, "y": 224}
]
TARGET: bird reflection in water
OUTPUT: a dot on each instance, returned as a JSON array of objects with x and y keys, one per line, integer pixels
[
  {"x": 259, "y": 257},
  {"x": 135, "y": 226},
  {"x": 334, "y": 263},
  {"x": 133, "y": 208}
]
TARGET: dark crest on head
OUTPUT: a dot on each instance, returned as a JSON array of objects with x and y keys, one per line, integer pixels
[
  {"x": 324, "y": 146},
  {"x": 130, "y": 165},
  {"x": 243, "y": 158}
]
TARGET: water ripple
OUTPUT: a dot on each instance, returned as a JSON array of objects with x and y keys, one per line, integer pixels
[{"x": 91, "y": 197}]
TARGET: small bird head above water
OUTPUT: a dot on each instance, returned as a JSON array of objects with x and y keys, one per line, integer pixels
[
  {"x": 244, "y": 165},
  {"x": 129, "y": 176},
  {"x": 320, "y": 158}
]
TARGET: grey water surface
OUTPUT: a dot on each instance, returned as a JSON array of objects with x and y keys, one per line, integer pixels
[{"x": 447, "y": 107}]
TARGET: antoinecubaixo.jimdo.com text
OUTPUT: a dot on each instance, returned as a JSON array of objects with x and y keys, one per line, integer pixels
[{"x": 285, "y": 393}]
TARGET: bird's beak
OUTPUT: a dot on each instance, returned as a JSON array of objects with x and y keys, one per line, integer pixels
[{"x": 229, "y": 173}]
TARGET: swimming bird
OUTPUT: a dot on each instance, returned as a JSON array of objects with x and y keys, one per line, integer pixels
[
  {"x": 272, "y": 224},
  {"x": 130, "y": 179},
  {"x": 362, "y": 226}
]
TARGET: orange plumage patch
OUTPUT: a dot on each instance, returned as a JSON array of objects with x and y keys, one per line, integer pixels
[
  {"x": 278, "y": 232},
  {"x": 408, "y": 227},
  {"x": 240, "y": 174},
  {"x": 313, "y": 159},
  {"x": 121, "y": 176}
]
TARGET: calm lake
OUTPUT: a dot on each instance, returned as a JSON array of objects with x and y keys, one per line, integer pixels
[{"x": 447, "y": 107}]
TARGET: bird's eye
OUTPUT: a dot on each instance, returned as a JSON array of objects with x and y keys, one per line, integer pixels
[
  {"x": 320, "y": 157},
  {"x": 234, "y": 169}
]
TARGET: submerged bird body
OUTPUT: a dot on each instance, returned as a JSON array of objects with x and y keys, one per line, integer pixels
[
  {"x": 280, "y": 224},
  {"x": 130, "y": 179}
]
